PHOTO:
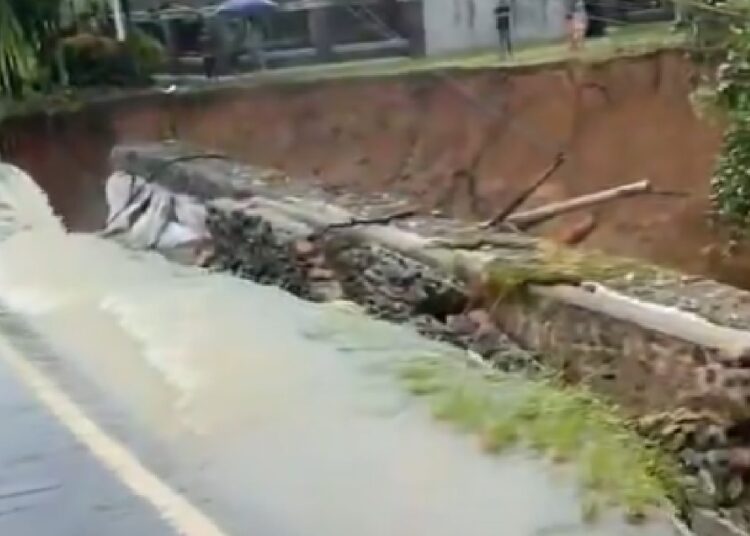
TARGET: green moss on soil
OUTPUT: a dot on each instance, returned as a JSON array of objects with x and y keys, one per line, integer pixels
[
  {"x": 60, "y": 102},
  {"x": 617, "y": 467},
  {"x": 554, "y": 264}
]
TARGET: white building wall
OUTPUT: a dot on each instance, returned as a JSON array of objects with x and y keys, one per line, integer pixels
[{"x": 460, "y": 25}]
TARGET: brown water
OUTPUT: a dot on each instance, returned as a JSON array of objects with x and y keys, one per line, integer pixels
[{"x": 291, "y": 408}]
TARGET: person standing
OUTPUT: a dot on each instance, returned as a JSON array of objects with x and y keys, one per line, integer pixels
[
  {"x": 577, "y": 20},
  {"x": 255, "y": 41},
  {"x": 207, "y": 49},
  {"x": 680, "y": 15},
  {"x": 503, "y": 13}
]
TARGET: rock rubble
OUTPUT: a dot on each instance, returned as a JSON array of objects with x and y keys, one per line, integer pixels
[{"x": 389, "y": 286}]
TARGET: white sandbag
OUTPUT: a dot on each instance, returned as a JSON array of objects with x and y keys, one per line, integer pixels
[
  {"x": 148, "y": 215},
  {"x": 145, "y": 231},
  {"x": 191, "y": 214},
  {"x": 176, "y": 235},
  {"x": 120, "y": 189},
  {"x": 125, "y": 194}
]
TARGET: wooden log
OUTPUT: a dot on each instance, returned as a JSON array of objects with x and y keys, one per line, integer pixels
[
  {"x": 322, "y": 216},
  {"x": 526, "y": 219},
  {"x": 376, "y": 220},
  {"x": 470, "y": 266},
  {"x": 474, "y": 241},
  {"x": 670, "y": 321}
]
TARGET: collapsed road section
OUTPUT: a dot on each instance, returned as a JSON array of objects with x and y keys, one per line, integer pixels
[
  {"x": 275, "y": 415},
  {"x": 670, "y": 349}
]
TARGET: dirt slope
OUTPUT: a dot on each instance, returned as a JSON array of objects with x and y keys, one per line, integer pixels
[{"x": 419, "y": 135}]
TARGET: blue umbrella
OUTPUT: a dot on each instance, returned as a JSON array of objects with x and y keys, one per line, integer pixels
[{"x": 245, "y": 8}]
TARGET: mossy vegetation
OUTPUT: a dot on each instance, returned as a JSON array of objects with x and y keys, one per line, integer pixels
[
  {"x": 616, "y": 466},
  {"x": 550, "y": 264},
  {"x": 63, "y": 101}
]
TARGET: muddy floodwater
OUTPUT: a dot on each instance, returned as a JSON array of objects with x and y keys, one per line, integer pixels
[{"x": 275, "y": 416}]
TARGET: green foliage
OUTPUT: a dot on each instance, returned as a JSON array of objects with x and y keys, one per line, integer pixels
[
  {"x": 733, "y": 73},
  {"x": 27, "y": 32},
  {"x": 731, "y": 183},
  {"x": 98, "y": 60},
  {"x": 147, "y": 52},
  {"x": 92, "y": 59},
  {"x": 708, "y": 22},
  {"x": 32, "y": 50},
  {"x": 568, "y": 424},
  {"x": 730, "y": 94}
]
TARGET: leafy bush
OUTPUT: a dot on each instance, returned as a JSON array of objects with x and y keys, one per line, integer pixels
[
  {"x": 27, "y": 33},
  {"x": 731, "y": 95},
  {"x": 731, "y": 182},
  {"x": 98, "y": 60},
  {"x": 94, "y": 59},
  {"x": 147, "y": 53}
]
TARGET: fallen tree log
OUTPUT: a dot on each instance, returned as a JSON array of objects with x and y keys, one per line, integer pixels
[
  {"x": 589, "y": 323},
  {"x": 375, "y": 220},
  {"x": 474, "y": 241},
  {"x": 322, "y": 216},
  {"x": 472, "y": 265},
  {"x": 667, "y": 320},
  {"x": 529, "y": 218}
]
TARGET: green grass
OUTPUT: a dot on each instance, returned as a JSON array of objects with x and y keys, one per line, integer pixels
[
  {"x": 616, "y": 466},
  {"x": 63, "y": 101},
  {"x": 626, "y": 41}
]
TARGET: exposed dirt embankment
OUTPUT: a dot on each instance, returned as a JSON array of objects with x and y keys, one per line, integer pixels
[{"x": 620, "y": 121}]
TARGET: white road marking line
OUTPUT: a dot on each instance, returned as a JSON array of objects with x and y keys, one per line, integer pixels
[{"x": 175, "y": 509}]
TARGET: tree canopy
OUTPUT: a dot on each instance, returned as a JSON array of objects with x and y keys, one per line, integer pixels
[{"x": 27, "y": 31}]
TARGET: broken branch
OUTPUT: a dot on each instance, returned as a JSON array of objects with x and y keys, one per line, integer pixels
[
  {"x": 497, "y": 240},
  {"x": 377, "y": 220},
  {"x": 526, "y": 219},
  {"x": 519, "y": 200}
]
